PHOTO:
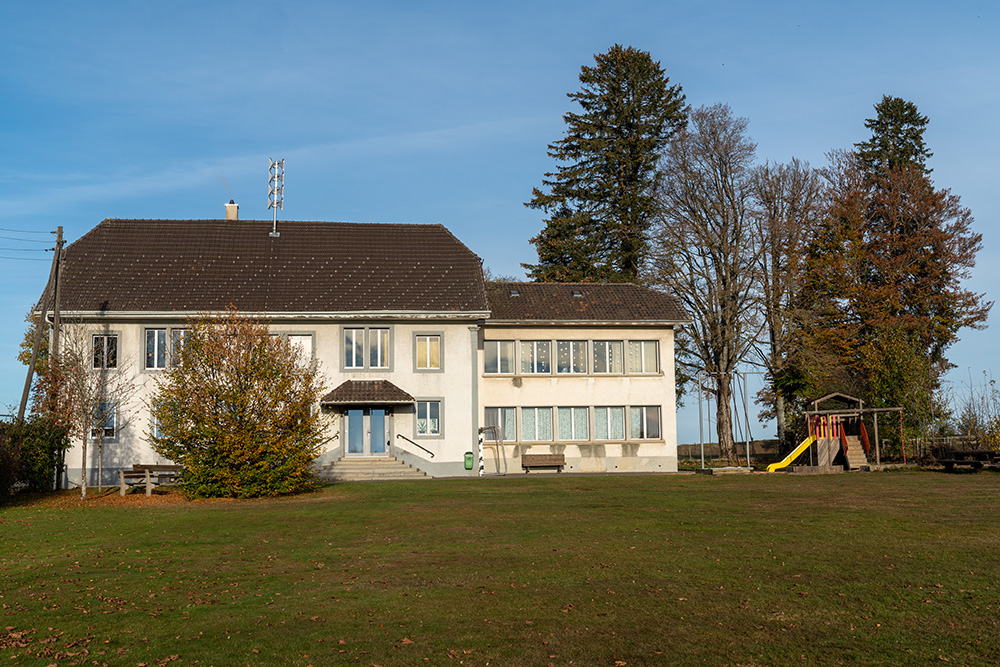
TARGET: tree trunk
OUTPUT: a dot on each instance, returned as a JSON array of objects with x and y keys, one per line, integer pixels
[
  {"x": 779, "y": 415},
  {"x": 724, "y": 417},
  {"x": 83, "y": 470}
]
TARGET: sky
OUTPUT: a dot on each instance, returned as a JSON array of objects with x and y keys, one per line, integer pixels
[{"x": 441, "y": 112}]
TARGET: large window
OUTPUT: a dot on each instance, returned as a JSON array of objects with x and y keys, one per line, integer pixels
[
  {"x": 535, "y": 356},
  {"x": 156, "y": 348},
  {"x": 609, "y": 423},
  {"x": 428, "y": 418},
  {"x": 572, "y": 356},
  {"x": 499, "y": 356},
  {"x": 504, "y": 419},
  {"x": 366, "y": 348},
  {"x": 104, "y": 421},
  {"x": 642, "y": 356},
  {"x": 609, "y": 356},
  {"x": 303, "y": 344},
  {"x": 428, "y": 352},
  {"x": 536, "y": 424},
  {"x": 105, "y": 351},
  {"x": 645, "y": 423},
  {"x": 573, "y": 424}
]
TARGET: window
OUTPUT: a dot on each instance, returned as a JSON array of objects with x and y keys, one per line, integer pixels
[
  {"x": 303, "y": 344},
  {"x": 354, "y": 348},
  {"x": 609, "y": 356},
  {"x": 106, "y": 351},
  {"x": 156, "y": 348},
  {"x": 609, "y": 423},
  {"x": 104, "y": 421},
  {"x": 536, "y": 424},
  {"x": 378, "y": 348},
  {"x": 499, "y": 356},
  {"x": 645, "y": 423},
  {"x": 428, "y": 417},
  {"x": 428, "y": 353},
  {"x": 503, "y": 418},
  {"x": 573, "y": 424},
  {"x": 177, "y": 338},
  {"x": 642, "y": 356},
  {"x": 357, "y": 353},
  {"x": 572, "y": 356},
  {"x": 535, "y": 355}
]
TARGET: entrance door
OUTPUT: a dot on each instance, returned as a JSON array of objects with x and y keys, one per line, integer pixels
[{"x": 367, "y": 431}]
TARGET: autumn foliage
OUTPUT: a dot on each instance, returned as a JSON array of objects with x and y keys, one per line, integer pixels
[{"x": 238, "y": 411}]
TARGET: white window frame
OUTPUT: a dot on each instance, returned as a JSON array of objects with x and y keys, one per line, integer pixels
[
  {"x": 103, "y": 408},
  {"x": 608, "y": 346},
  {"x": 573, "y": 411},
  {"x": 177, "y": 338},
  {"x": 428, "y": 431},
  {"x": 536, "y": 420},
  {"x": 372, "y": 341},
  {"x": 643, "y": 411},
  {"x": 499, "y": 346},
  {"x": 424, "y": 341},
  {"x": 530, "y": 364},
  {"x": 160, "y": 353},
  {"x": 641, "y": 345},
  {"x": 606, "y": 410},
  {"x": 577, "y": 359},
  {"x": 104, "y": 338},
  {"x": 506, "y": 419}
]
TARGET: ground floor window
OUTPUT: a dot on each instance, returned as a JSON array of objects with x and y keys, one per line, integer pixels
[
  {"x": 609, "y": 423},
  {"x": 573, "y": 424},
  {"x": 504, "y": 419},
  {"x": 536, "y": 424},
  {"x": 645, "y": 423},
  {"x": 104, "y": 421},
  {"x": 428, "y": 417}
]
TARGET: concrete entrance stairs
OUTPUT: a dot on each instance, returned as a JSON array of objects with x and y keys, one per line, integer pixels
[
  {"x": 855, "y": 453},
  {"x": 380, "y": 468}
]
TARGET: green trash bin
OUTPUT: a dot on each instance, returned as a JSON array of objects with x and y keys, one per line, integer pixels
[{"x": 468, "y": 460}]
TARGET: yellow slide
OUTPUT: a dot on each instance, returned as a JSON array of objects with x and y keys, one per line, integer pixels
[{"x": 794, "y": 455}]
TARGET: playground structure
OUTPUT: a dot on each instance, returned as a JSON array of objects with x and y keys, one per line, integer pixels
[{"x": 837, "y": 437}]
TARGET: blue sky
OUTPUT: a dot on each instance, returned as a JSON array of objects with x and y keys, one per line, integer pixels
[{"x": 440, "y": 112}]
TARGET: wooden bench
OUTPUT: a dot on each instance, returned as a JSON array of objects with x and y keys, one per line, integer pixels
[
  {"x": 529, "y": 461},
  {"x": 149, "y": 474}
]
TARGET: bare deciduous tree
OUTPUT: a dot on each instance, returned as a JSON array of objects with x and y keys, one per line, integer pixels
[
  {"x": 788, "y": 200},
  {"x": 704, "y": 248}
]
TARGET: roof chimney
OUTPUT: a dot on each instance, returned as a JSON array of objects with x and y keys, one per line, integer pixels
[{"x": 232, "y": 210}]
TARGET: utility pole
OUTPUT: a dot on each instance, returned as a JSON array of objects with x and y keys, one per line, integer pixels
[{"x": 50, "y": 287}]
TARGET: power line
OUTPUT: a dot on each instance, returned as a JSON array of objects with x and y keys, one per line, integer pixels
[
  {"x": 27, "y": 259},
  {"x": 14, "y": 238},
  {"x": 26, "y": 249},
  {"x": 24, "y": 231}
]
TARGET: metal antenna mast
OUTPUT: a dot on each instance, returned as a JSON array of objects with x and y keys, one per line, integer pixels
[{"x": 275, "y": 191}]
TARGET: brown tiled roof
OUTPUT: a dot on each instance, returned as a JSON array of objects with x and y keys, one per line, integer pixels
[
  {"x": 581, "y": 302},
  {"x": 369, "y": 392},
  {"x": 205, "y": 265}
]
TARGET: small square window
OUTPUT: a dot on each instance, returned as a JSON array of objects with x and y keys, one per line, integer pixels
[
  {"x": 428, "y": 353},
  {"x": 428, "y": 417},
  {"x": 499, "y": 356}
]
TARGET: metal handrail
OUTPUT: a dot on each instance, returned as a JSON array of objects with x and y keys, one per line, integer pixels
[{"x": 400, "y": 435}]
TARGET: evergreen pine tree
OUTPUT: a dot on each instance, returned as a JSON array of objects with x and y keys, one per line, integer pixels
[{"x": 600, "y": 201}]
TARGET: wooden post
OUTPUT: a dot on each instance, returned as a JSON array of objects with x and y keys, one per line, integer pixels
[{"x": 878, "y": 449}]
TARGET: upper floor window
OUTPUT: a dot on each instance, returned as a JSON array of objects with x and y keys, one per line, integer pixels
[
  {"x": 156, "y": 348},
  {"x": 571, "y": 356},
  {"x": 609, "y": 356},
  {"x": 642, "y": 356},
  {"x": 428, "y": 352},
  {"x": 105, "y": 351},
  {"x": 177, "y": 338},
  {"x": 535, "y": 356},
  {"x": 366, "y": 345},
  {"x": 499, "y": 356},
  {"x": 303, "y": 345}
]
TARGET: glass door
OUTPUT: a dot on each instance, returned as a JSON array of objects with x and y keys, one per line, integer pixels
[{"x": 367, "y": 431}]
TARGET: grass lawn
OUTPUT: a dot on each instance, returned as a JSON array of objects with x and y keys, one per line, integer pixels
[{"x": 898, "y": 568}]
